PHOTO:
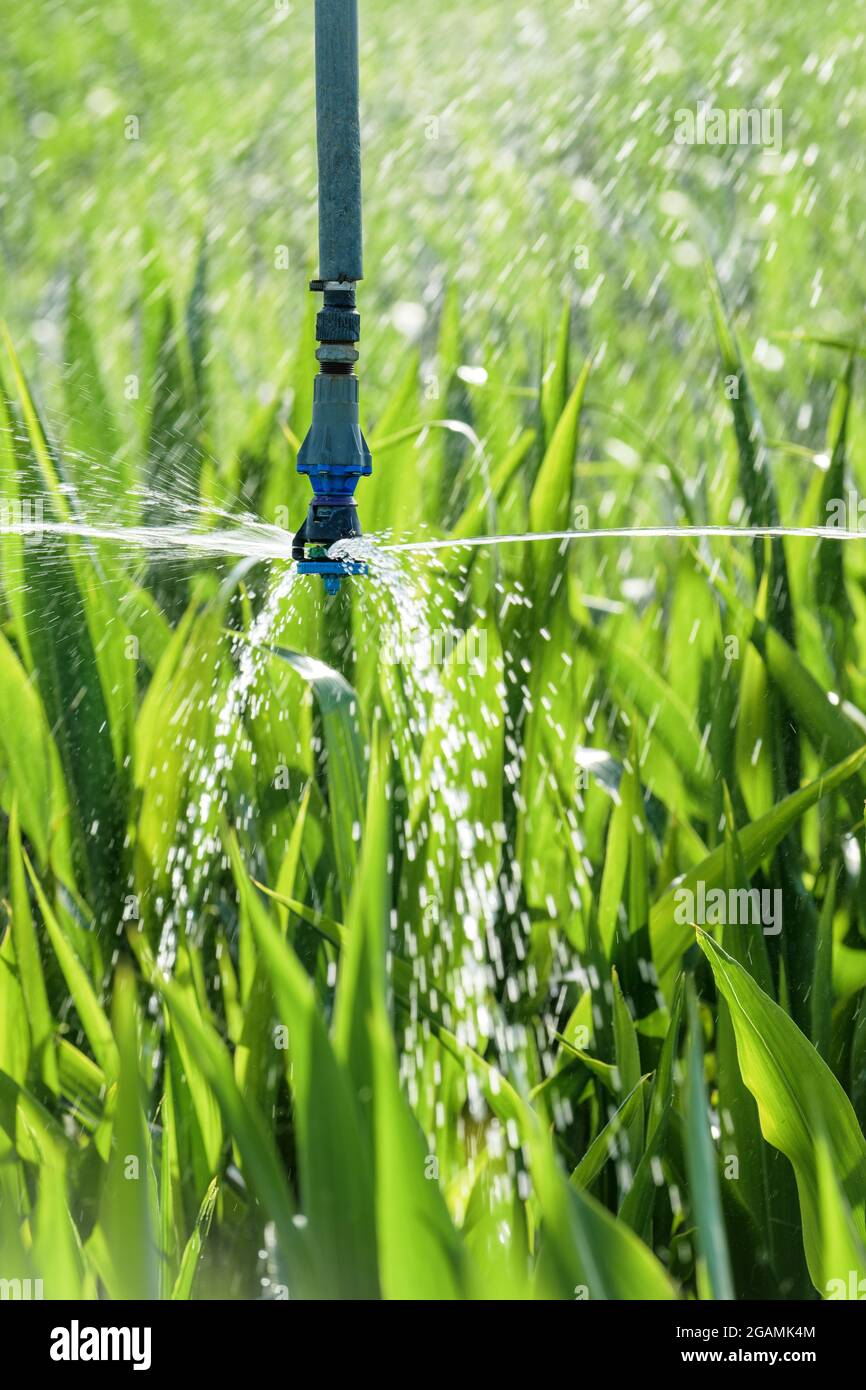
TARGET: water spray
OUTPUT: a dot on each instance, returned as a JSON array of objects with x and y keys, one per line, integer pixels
[{"x": 334, "y": 454}]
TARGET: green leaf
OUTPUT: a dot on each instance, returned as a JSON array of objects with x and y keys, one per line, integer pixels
[
  {"x": 832, "y": 734},
  {"x": 753, "y": 739},
  {"x": 56, "y": 1242},
  {"x": 183, "y": 1285},
  {"x": 128, "y": 1214},
  {"x": 605, "y": 1145},
  {"x": 628, "y": 1067},
  {"x": 637, "y": 1205},
  {"x": 35, "y": 1134},
  {"x": 82, "y": 1084},
  {"x": 795, "y": 1091},
  {"x": 826, "y": 490},
  {"x": 550, "y": 506},
  {"x": 65, "y": 596},
  {"x": 262, "y": 1164},
  {"x": 334, "y": 1157},
  {"x": 714, "y": 1267},
  {"x": 346, "y": 765},
  {"x": 197, "y": 326},
  {"x": 93, "y": 442},
  {"x": 613, "y": 875},
  {"x": 550, "y": 503},
  {"x": 821, "y": 995},
  {"x": 843, "y": 1252},
  {"x": 764, "y": 1182},
  {"x": 476, "y": 517},
  {"x": 586, "y": 1252},
  {"x": 554, "y": 387},
  {"x": 361, "y": 987},
  {"x": 756, "y": 478},
  {"x": 173, "y": 450},
  {"x": 636, "y": 683},
  {"x": 91, "y": 1013},
  {"x": 177, "y": 714},
  {"x": 29, "y": 964},
  {"x": 26, "y": 744},
  {"x": 419, "y": 1251},
  {"x": 671, "y": 937}
]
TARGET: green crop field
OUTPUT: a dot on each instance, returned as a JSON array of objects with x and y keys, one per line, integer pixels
[{"x": 496, "y": 927}]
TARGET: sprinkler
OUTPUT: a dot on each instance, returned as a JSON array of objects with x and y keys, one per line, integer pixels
[{"x": 334, "y": 454}]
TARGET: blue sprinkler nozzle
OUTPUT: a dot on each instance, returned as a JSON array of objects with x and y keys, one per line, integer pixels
[{"x": 334, "y": 454}]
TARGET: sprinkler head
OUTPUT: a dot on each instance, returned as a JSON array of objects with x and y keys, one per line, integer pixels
[
  {"x": 334, "y": 454},
  {"x": 329, "y": 519}
]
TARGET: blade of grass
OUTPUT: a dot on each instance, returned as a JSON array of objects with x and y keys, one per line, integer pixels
[
  {"x": 794, "y": 1089},
  {"x": 715, "y": 1280}
]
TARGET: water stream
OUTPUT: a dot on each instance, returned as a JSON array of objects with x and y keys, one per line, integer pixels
[
  {"x": 823, "y": 533},
  {"x": 259, "y": 540}
]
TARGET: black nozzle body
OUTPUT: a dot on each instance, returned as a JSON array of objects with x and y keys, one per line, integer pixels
[{"x": 328, "y": 520}]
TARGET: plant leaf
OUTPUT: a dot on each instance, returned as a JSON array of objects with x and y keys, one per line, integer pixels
[{"x": 794, "y": 1090}]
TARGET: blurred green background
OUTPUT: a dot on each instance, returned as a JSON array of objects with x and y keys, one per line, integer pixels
[{"x": 499, "y": 139}]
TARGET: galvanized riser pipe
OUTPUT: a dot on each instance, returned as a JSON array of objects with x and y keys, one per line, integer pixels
[
  {"x": 338, "y": 137},
  {"x": 334, "y": 454}
]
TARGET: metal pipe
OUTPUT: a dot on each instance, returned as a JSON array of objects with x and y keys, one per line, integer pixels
[
  {"x": 334, "y": 454},
  {"x": 338, "y": 138}
]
